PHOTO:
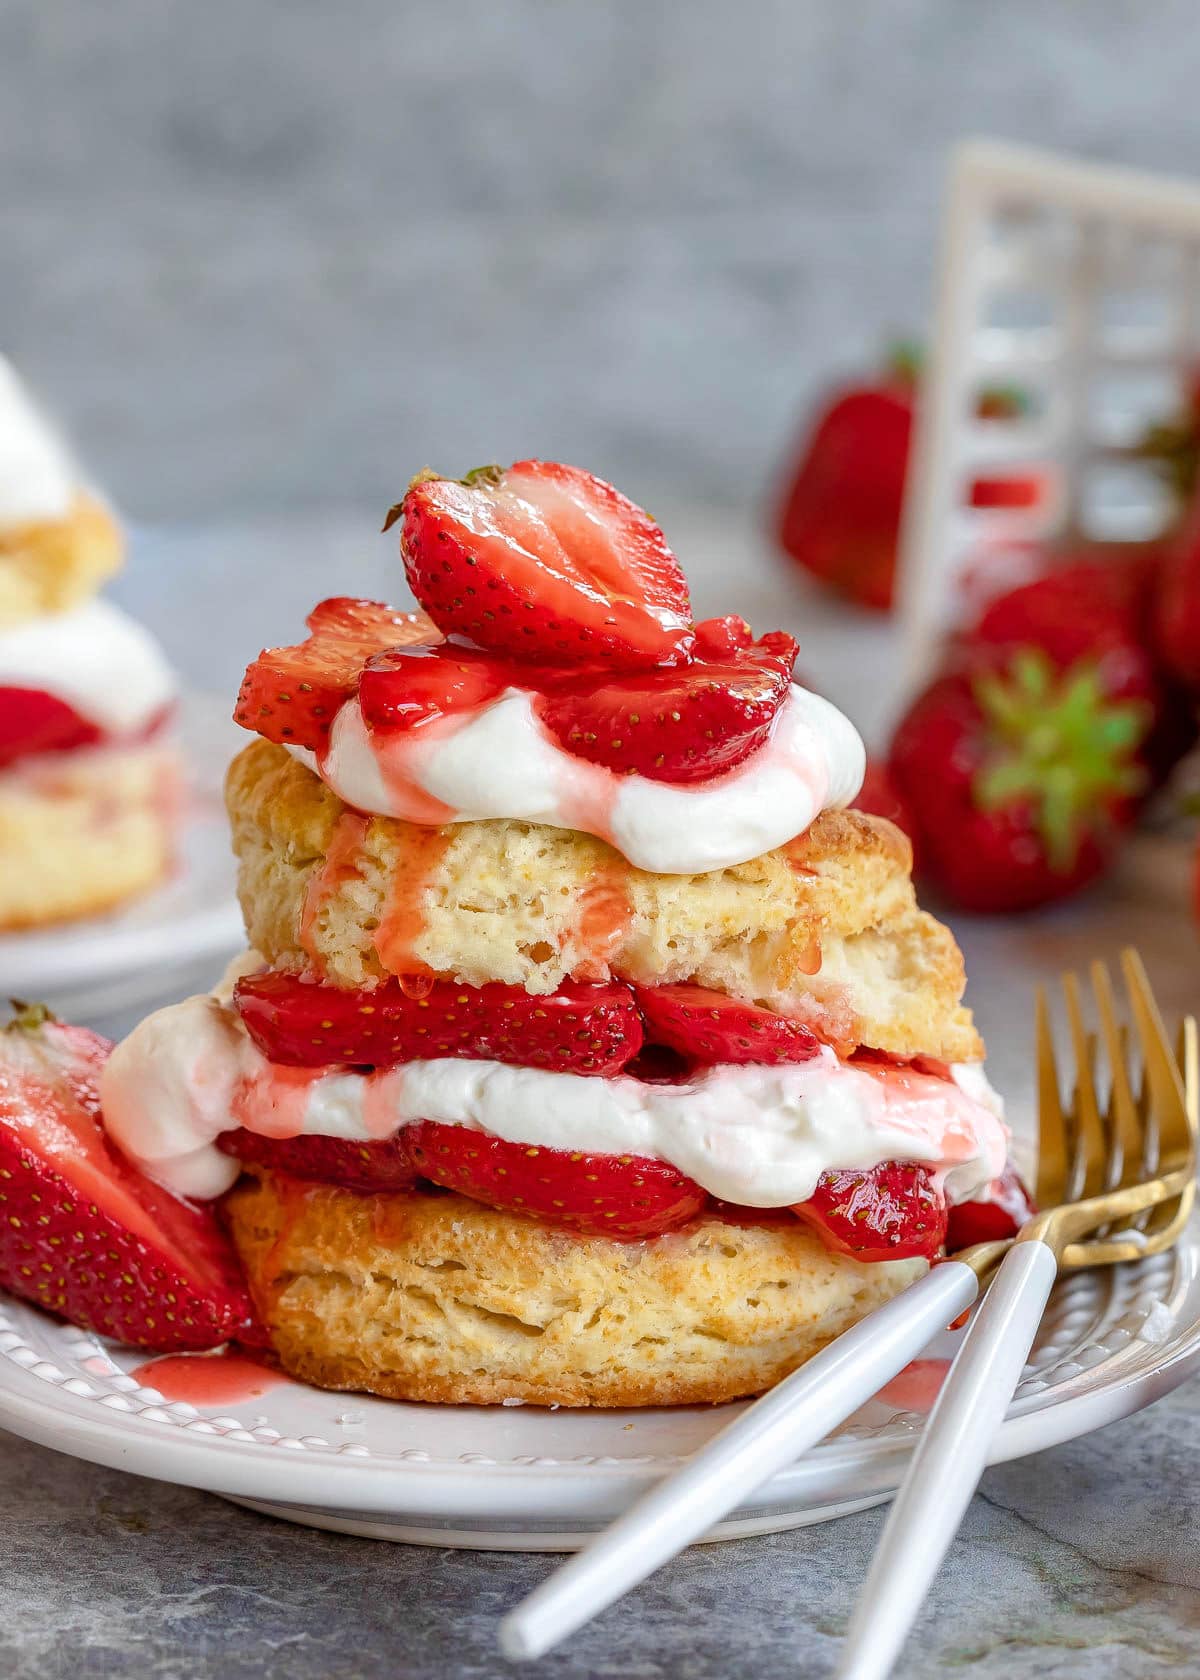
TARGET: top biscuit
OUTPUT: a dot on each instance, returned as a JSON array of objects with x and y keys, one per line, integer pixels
[{"x": 826, "y": 927}]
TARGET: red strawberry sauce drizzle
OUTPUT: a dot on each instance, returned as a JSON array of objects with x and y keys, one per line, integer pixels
[{"x": 340, "y": 866}]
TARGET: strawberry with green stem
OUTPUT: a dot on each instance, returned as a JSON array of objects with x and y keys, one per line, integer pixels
[{"x": 1019, "y": 777}]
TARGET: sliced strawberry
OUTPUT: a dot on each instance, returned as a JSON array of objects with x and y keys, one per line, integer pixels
[
  {"x": 578, "y": 1029},
  {"x": 890, "y": 1212},
  {"x": 405, "y": 687},
  {"x": 546, "y": 564},
  {"x": 1006, "y": 1207},
  {"x": 619, "y": 1196},
  {"x": 83, "y": 1233},
  {"x": 292, "y": 694},
  {"x": 711, "y": 1027},
  {"x": 32, "y": 721},
  {"x": 683, "y": 725},
  {"x": 384, "y": 1165}
]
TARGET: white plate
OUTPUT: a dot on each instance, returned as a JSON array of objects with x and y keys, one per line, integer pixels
[
  {"x": 191, "y": 922},
  {"x": 527, "y": 1479}
]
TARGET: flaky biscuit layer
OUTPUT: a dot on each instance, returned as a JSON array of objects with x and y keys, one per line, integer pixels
[{"x": 827, "y": 927}]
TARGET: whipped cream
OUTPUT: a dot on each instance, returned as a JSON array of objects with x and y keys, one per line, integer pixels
[
  {"x": 759, "y": 1135},
  {"x": 95, "y": 658},
  {"x": 499, "y": 761},
  {"x": 38, "y": 479}
]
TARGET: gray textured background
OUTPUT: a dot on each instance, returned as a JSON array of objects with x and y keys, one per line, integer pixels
[{"x": 264, "y": 253}]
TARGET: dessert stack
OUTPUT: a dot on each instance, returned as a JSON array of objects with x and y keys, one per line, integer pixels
[
  {"x": 588, "y": 1050},
  {"x": 87, "y": 773}
]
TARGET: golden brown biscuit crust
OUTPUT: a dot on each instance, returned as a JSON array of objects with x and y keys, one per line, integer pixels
[
  {"x": 434, "y": 1297},
  {"x": 52, "y": 565},
  {"x": 827, "y": 927}
]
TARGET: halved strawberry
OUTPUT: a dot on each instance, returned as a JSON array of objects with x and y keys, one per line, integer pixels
[
  {"x": 711, "y": 1027},
  {"x": 292, "y": 694},
  {"x": 544, "y": 563},
  {"x": 383, "y": 1165},
  {"x": 83, "y": 1233},
  {"x": 404, "y": 687},
  {"x": 621, "y": 1196},
  {"x": 1008, "y": 1206},
  {"x": 683, "y": 725},
  {"x": 578, "y": 1029},
  {"x": 32, "y": 721},
  {"x": 889, "y": 1212}
]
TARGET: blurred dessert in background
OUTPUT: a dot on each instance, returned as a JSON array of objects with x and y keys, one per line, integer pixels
[{"x": 88, "y": 773}]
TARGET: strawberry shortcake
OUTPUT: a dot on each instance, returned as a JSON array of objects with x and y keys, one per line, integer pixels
[
  {"x": 591, "y": 1048},
  {"x": 87, "y": 775}
]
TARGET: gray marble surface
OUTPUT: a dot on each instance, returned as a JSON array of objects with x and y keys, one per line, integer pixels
[{"x": 1082, "y": 1563}]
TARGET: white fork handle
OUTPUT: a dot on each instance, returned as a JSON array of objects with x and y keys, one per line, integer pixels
[
  {"x": 947, "y": 1465},
  {"x": 794, "y": 1416}
]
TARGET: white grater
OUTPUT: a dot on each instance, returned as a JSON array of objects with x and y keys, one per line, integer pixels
[{"x": 1075, "y": 285}]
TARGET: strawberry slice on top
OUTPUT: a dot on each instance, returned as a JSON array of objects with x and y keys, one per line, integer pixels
[
  {"x": 292, "y": 694},
  {"x": 588, "y": 1029},
  {"x": 546, "y": 564},
  {"x": 83, "y": 1233},
  {"x": 679, "y": 725}
]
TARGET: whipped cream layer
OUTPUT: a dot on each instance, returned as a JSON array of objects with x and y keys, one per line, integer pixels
[
  {"x": 499, "y": 761},
  {"x": 38, "y": 479},
  {"x": 96, "y": 659},
  {"x": 759, "y": 1135}
]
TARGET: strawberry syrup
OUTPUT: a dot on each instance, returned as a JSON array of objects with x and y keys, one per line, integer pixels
[
  {"x": 403, "y": 920},
  {"x": 226, "y": 1378},
  {"x": 605, "y": 912},
  {"x": 916, "y": 1388},
  {"x": 340, "y": 866}
]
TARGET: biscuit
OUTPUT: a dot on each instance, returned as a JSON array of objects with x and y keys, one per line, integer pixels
[
  {"x": 434, "y": 1297},
  {"x": 82, "y": 831},
  {"x": 48, "y": 566},
  {"x": 827, "y": 927}
]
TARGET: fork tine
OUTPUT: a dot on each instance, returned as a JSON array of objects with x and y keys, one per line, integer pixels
[
  {"x": 1052, "y": 1133},
  {"x": 1187, "y": 1054},
  {"x": 1168, "y": 1107},
  {"x": 1091, "y": 1151},
  {"x": 1125, "y": 1129}
]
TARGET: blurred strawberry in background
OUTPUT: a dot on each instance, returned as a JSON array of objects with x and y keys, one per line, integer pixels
[
  {"x": 1019, "y": 776},
  {"x": 840, "y": 516},
  {"x": 1051, "y": 722}
]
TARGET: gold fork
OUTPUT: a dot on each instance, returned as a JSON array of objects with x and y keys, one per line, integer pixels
[
  {"x": 1081, "y": 1149},
  {"x": 1116, "y": 1182}
]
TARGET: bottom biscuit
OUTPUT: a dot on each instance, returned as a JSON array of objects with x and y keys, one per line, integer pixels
[{"x": 435, "y": 1297}]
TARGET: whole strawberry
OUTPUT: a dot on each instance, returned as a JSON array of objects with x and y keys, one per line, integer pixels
[
  {"x": 1095, "y": 604},
  {"x": 1177, "y": 607},
  {"x": 1019, "y": 777},
  {"x": 840, "y": 517},
  {"x": 842, "y": 511}
]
